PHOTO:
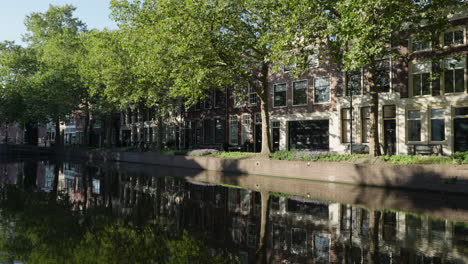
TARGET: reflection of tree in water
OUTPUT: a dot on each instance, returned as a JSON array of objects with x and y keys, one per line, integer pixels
[{"x": 41, "y": 227}]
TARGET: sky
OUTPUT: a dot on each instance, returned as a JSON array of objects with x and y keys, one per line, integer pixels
[{"x": 94, "y": 13}]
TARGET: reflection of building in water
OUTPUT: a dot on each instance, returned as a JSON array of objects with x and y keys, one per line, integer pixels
[
  {"x": 315, "y": 232},
  {"x": 82, "y": 188},
  {"x": 298, "y": 230},
  {"x": 9, "y": 172}
]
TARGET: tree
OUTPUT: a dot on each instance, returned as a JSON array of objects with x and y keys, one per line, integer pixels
[
  {"x": 199, "y": 46},
  {"x": 359, "y": 33},
  {"x": 54, "y": 35}
]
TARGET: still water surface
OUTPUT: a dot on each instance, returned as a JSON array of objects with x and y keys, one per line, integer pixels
[{"x": 56, "y": 211}]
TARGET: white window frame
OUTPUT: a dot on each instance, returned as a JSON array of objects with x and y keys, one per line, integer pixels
[
  {"x": 246, "y": 135},
  {"x": 232, "y": 119},
  {"x": 251, "y": 92},
  {"x": 407, "y": 118},
  {"x": 452, "y": 30},
  {"x": 274, "y": 90},
  {"x": 465, "y": 76},
  {"x": 390, "y": 75},
  {"x": 329, "y": 89},
  {"x": 411, "y": 46},
  {"x": 411, "y": 76},
  {"x": 307, "y": 92},
  {"x": 437, "y": 118},
  {"x": 361, "y": 82}
]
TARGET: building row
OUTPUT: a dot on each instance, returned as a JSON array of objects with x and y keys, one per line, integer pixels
[{"x": 423, "y": 106}]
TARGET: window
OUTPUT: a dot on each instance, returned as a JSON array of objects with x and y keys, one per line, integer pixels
[
  {"x": 455, "y": 37},
  {"x": 461, "y": 111},
  {"x": 198, "y": 105},
  {"x": 414, "y": 125},
  {"x": 437, "y": 125},
  {"x": 238, "y": 96},
  {"x": 322, "y": 90},
  {"x": 197, "y": 126},
  {"x": 252, "y": 96},
  {"x": 421, "y": 74},
  {"x": 279, "y": 96},
  {"x": 454, "y": 75},
  {"x": 418, "y": 44},
  {"x": 300, "y": 93},
  {"x": 246, "y": 135},
  {"x": 289, "y": 67},
  {"x": 313, "y": 61},
  {"x": 346, "y": 125},
  {"x": 354, "y": 82},
  {"x": 209, "y": 101},
  {"x": 219, "y": 98},
  {"x": 382, "y": 75},
  {"x": 389, "y": 111},
  {"x": 365, "y": 124},
  {"x": 233, "y": 130},
  {"x": 218, "y": 131}
]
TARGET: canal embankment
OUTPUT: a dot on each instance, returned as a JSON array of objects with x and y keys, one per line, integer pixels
[{"x": 441, "y": 178}]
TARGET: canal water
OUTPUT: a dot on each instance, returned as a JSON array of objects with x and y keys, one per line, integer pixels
[{"x": 55, "y": 211}]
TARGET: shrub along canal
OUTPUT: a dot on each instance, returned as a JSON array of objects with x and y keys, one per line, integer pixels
[{"x": 71, "y": 211}]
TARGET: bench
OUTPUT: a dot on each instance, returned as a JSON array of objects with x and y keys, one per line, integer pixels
[
  {"x": 425, "y": 149},
  {"x": 359, "y": 148}
]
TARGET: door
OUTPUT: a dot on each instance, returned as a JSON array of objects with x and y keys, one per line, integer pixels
[
  {"x": 276, "y": 138},
  {"x": 390, "y": 137},
  {"x": 258, "y": 137},
  {"x": 461, "y": 134}
]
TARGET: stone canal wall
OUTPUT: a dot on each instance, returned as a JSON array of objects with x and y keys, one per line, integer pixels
[{"x": 444, "y": 178}]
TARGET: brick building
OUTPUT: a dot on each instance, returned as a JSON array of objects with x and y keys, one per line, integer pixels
[{"x": 423, "y": 106}]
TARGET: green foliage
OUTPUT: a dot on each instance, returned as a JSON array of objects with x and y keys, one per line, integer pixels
[
  {"x": 232, "y": 155},
  {"x": 410, "y": 159},
  {"x": 461, "y": 157},
  {"x": 39, "y": 227},
  {"x": 306, "y": 156}
]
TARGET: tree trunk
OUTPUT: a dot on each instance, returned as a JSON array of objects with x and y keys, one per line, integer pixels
[
  {"x": 159, "y": 132},
  {"x": 261, "y": 253},
  {"x": 374, "y": 143},
  {"x": 263, "y": 94},
  {"x": 58, "y": 136},
  {"x": 108, "y": 130},
  {"x": 86, "y": 128},
  {"x": 374, "y": 222}
]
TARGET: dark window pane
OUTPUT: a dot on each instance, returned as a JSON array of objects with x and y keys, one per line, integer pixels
[
  {"x": 300, "y": 93},
  {"x": 354, "y": 82},
  {"x": 437, "y": 130},
  {"x": 389, "y": 111},
  {"x": 448, "y": 75},
  {"x": 458, "y": 37},
  {"x": 219, "y": 98},
  {"x": 383, "y": 75},
  {"x": 416, "y": 84},
  {"x": 322, "y": 90},
  {"x": 414, "y": 130},
  {"x": 459, "y": 80},
  {"x": 218, "y": 131},
  {"x": 426, "y": 83},
  {"x": 461, "y": 111},
  {"x": 448, "y": 38},
  {"x": 208, "y": 131},
  {"x": 279, "y": 95}
]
